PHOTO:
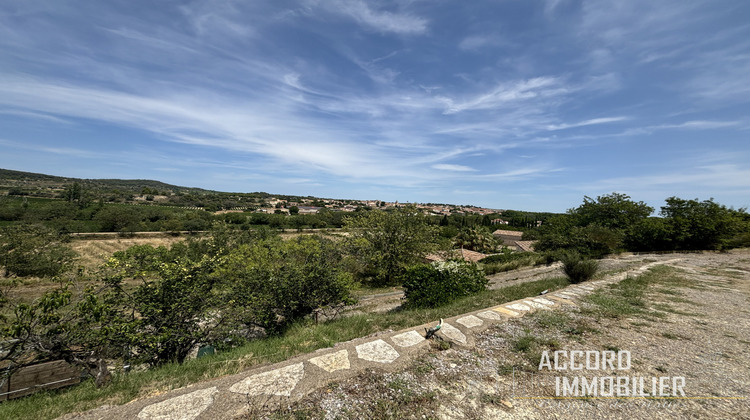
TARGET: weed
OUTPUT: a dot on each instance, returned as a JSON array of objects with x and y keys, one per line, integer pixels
[
  {"x": 578, "y": 269},
  {"x": 612, "y": 348},
  {"x": 423, "y": 367},
  {"x": 504, "y": 369}
]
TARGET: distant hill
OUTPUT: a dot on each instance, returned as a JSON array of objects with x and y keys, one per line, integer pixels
[{"x": 36, "y": 184}]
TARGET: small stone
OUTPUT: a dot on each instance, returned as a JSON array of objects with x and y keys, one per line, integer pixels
[
  {"x": 506, "y": 311},
  {"x": 187, "y": 407},
  {"x": 452, "y": 333},
  {"x": 275, "y": 382},
  {"x": 544, "y": 301},
  {"x": 470, "y": 321},
  {"x": 535, "y": 304},
  {"x": 490, "y": 315},
  {"x": 407, "y": 339},
  {"x": 332, "y": 362},
  {"x": 377, "y": 351},
  {"x": 518, "y": 307}
]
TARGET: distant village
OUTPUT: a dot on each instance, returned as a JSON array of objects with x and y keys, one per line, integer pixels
[{"x": 315, "y": 205}]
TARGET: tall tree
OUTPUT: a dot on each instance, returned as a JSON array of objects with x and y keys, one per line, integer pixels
[
  {"x": 701, "y": 224},
  {"x": 389, "y": 242},
  {"x": 614, "y": 211}
]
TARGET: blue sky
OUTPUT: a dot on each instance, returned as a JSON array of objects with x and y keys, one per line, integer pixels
[{"x": 526, "y": 105}]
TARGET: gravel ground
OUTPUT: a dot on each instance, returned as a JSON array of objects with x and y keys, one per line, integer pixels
[{"x": 696, "y": 328}]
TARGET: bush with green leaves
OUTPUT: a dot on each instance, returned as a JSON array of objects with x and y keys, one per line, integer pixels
[
  {"x": 439, "y": 283},
  {"x": 577, "y": 268},
  {"x": 31, "y": 250},
  {"x": 273, "y": 283},
  {"x": 387, "y": 242}
]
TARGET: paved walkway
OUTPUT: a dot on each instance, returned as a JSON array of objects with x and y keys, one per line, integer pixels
[{"x": 236, "y": 395}]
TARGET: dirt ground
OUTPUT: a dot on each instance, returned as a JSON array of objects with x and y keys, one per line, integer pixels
[{"x": 693, "y": 329}]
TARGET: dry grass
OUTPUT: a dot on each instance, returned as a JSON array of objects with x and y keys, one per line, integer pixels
[{"x": 94, "y": 252}]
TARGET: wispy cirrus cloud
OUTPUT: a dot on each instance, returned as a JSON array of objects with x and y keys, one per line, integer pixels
[
  {"x": 480, "y": 42},
  {"x": 378, "y": 20},
  {"x": 594, "y": 121},
  {"x": 698, "y": 125},
  {"x": 454, "y": 168},
  {"x": 506, "y": 94}
]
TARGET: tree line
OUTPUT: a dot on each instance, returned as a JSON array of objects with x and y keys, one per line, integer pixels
[{"x": 614, "y": 222}]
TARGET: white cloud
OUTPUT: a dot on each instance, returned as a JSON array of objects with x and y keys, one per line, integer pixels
[
  {"x": 383, "y": 21},
  {"x": 507, "y": 94},
  {"x": 455, "y": 168},
  {"x": 478, "y": 42},
  {"x": 699, "y": 125},
  {"x": 594, "y": 121}
]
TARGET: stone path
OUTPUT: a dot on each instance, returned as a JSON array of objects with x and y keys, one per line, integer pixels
[{"x": 290, "y": 380}]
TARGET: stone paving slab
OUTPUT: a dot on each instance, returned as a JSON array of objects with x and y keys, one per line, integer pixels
[{"x": 235, "y": 395}]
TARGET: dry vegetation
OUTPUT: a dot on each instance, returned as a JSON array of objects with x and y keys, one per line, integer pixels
[{"x": 93, "y": 252}]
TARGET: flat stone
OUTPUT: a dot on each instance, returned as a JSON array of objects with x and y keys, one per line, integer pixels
[
  {"x": 582, "y": 292},
  {"x": 470, "y": 321},
  {"x": 184, "y": 407},
  {"x": 565, "y": 295},
  {"x": 407, "y": 339},
  {"x": 535, "y": 304},
  {"x": 589, "y": 288},
  {"x": 377, "y": 351},
  {"x": 506, "y": 311},
  {"x": 275, "y": 382},
  {"x": 490, "y": 315},
  {"x": 518, "y": 307},
  {"x": 332, "y": 362},
  {"x": 566, "y": 300},
  {"x": 453, "y": 333},
  {"x": 543, "y": 301}
]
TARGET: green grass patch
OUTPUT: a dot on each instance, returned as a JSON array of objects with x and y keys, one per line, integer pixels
[
  {"x": 517, "y": 261},
  {"x": 301, "y": 338},
  {"x": 627, "y": 298},
  {"x": 532, "y": 347}
]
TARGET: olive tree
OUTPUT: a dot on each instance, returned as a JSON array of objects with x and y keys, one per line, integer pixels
[{"x": 387, "y": 243}]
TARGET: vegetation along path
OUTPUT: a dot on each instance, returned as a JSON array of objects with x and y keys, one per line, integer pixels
[
  {"x": 382, "y": 302},
  {"x": 671, "y": 313}
]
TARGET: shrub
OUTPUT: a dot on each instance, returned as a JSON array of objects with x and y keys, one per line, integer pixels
[
  {"x": 436, "y": 284},
  {"x": 578, "y": 269},
  {"x": 27, "y": 250}
]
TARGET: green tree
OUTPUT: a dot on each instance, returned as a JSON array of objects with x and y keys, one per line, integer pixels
[
  {"x": 476, "y": 239},
  {"x": 613, "y": 211},
  {"x": 34, "y": 250},
  {"x": 701, "y": 224},
  {"x": 595, "y": 228},
  {"x": 389, "y": 242},
  {"x": 118, "y": 218},
  {"x": 173, "y": 309},
  {"x": 650, "y": 234},
  {"x": 273, "y": 283}
]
